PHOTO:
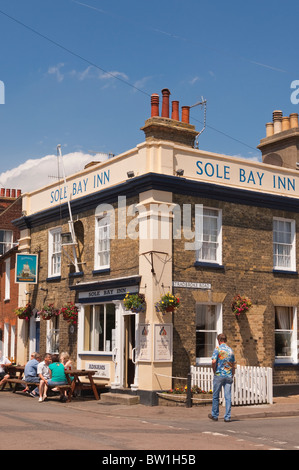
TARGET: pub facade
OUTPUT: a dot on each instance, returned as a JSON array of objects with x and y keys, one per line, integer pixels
[{"x": 168, "y": 218}]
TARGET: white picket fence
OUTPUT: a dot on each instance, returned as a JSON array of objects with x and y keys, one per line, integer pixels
[{"x": 252, "y": 385}]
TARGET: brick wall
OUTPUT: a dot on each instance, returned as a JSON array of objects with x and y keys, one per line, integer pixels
[
  {"x": 124, "y": 261},
  {"x": 247, "y": 252},
  {"x": 10, "y": 209}
]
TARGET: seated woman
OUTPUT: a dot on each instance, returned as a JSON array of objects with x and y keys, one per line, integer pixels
[
  {"x": 66, "y": 361},
  {"x": 58, "y": 376}
]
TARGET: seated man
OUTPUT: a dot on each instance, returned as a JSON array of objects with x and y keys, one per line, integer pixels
[
  {"x": 30, "y": 372},
  {"x": 3, "y": 374},
  {"x": 44, "y": 375}
]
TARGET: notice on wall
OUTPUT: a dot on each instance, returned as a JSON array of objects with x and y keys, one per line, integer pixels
[
  {"x": 145, "y": 343},
  {"x": 163, "y": 334},
  {"x": 101, "y": 369}
]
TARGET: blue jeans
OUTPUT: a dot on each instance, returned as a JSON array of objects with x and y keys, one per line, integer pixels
[
  {"x": 56, "y": 384},
  {"x": 218, "y": 383}
]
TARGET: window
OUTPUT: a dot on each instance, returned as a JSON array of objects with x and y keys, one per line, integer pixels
[
  {"x": 208, "y": 326},
  {"x": 7, "y": 279},
  {"x": 99, "y": 327},
  {"x": 285, "y": 334},
  {"x": 52, "y": 334},
  {"x": 54, "y": 252},
  {"x": 284, "y": 257},
  {"x": 210, "y": 238},
  {"x": 5, "y": 241},
  {"x": 102, "y": 243}
]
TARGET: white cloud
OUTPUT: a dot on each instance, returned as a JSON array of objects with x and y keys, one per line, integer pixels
[
  {"x": 36, "y": 173},
  {"x": 55, "y": 70}
]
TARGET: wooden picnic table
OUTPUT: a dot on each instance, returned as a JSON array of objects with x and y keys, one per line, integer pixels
[
  {"x": 15, "y": 371},
  {"x": 73, "y": 378}
]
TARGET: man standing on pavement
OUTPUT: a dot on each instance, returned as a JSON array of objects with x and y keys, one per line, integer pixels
[{"x": 224, "y": 364}]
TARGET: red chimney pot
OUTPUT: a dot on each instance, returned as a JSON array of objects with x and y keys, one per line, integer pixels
[
  {"x": 185, "y": 114},
  {"x": 154, "y": 105},
  {"x": 175, "y": 114},
  {"x": 165, "y": 102}
]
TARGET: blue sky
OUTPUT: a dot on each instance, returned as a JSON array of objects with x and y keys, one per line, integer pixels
[{"x": 80, "y": 73}]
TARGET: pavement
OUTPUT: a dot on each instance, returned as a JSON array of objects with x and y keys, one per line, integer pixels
[{"x": 282, "y": 406}]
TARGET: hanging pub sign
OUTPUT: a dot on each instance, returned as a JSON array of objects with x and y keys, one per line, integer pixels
[{"x": 26, "y": 268}]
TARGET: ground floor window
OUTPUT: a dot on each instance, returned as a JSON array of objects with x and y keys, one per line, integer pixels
[
  {"x": 286, "y": 334},
  {"x": 99, "y": 327},
  {"x": 208, "y": 326},
  {"x": 53, "y": 335}
]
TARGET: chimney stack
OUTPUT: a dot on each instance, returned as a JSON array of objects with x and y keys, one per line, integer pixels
[
  {"x": 172, "y": 129},
  {"x": 280, "y": 147}
]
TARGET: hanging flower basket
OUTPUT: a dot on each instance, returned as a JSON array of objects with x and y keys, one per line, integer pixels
[
  {"x": 240, "y": 305},
  {"x": 69, "y": 313},
  {"x": 168, "y": 303},
  {"x": 135, "y": 302},
  {"x": 48, "y": 312},
  {"x": 24, "y": 313}
]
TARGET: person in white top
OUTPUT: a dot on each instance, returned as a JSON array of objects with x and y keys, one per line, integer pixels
[
  {"x": 44, "y": 374},
  {"x": 3, "y": 374}
]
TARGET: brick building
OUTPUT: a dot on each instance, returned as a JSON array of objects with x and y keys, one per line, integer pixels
[
  {"x": 10, "y": 209},
  {"x": 166, "y": 216}
]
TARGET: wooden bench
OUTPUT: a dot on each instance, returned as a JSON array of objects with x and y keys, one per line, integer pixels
[{"x": 16, "y": 381}]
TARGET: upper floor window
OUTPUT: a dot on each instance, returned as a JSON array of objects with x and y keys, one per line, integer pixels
[
  {"x": 54, "y": 268},
  {"x": 102, "y": 243},
  {"x": 284, "y": 255},
  {"x": 210, "y": 246},
  {"x": 6, "y": 243}
]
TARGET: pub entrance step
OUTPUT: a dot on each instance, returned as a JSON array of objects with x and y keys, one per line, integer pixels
[{"x": 120, "y": 398}]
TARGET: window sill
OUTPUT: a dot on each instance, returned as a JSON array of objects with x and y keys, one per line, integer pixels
[
  {"x": 287, "y": 364},
  {"x": 283, "y": 271},
  {"x": 204, "y": 264},
  {"x": 101, "y": 271},
  {"x": 78, "y": 274},
  {"x": 53, "y": 279},
  {"x": 95, "y": 353}
]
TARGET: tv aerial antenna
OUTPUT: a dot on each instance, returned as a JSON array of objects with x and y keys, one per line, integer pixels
[{"x": 203, "y": 104}]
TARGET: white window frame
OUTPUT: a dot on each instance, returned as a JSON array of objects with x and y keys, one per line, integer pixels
[
  {"x": 201, "y": 238},
  {"x": 218, "y": 330},
  {"x": 293, "y": 358},
  {"x": 7, "y": 279},
  {"x": 12, "y": 342},
  {"x": 94, "y": 332},
  {"x": 7, "y": 244},
  {"x": 54, "y": 256},
  {"x": 292, "y": 245},
  {"x": 102, "y": 236}
]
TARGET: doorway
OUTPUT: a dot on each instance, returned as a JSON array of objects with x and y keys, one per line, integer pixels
[{"x": 129, "y": 350}]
